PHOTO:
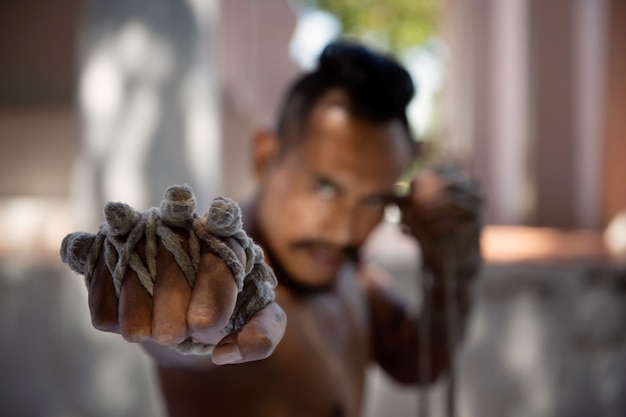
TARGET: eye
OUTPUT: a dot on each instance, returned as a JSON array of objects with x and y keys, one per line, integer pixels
[
  {"x": 325, "y": 188},
  {"x": 375, "y": 202}
]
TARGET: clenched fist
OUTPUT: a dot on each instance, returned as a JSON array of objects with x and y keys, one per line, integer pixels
[
  {"x": 444, "y": 212},
  {"x": 176, "y": 279}
]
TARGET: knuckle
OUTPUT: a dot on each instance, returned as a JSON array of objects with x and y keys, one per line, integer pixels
[
  {"x": 167, "y": 334},
  {"x": 135, "y": 333},
  {"x": 264, "y": 344},
  {"x": 204, "y": 319},
  {"x": 262, "y": 340}
]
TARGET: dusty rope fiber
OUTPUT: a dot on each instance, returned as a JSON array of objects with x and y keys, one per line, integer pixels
[{"x": 124, "y": 227}]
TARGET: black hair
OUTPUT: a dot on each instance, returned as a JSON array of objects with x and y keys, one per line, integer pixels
[{"x": 377, "y": 87}]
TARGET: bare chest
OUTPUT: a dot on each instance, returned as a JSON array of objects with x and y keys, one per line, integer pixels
[
  {"x": 325, "y": 349},
  {"x": 317, "y": 369}
]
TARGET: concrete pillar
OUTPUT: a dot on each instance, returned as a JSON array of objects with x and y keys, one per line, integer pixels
[
  {"x": 590, "y": 37},
  {"x": 487, "y": 102},
  {"x": 553, "y": 112},
  {"x": 512, "y": 193},
  {"x": 525, "y": 103},
  {"x": 614, "y": 155},
  {"x": 255, "y": 70}
]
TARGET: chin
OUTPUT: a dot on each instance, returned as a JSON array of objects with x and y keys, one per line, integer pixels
[
  {"x": 317, "y": 281},
  {"x": 312, "y": 282}
]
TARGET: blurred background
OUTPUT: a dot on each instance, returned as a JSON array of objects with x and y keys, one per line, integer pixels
[{"x": 117, "y": 100}]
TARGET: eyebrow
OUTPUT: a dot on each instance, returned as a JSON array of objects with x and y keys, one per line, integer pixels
[{"x": 385, "y": 196}]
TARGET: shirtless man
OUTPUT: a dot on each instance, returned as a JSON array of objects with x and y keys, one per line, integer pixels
[{"x": 324, "y": 177}]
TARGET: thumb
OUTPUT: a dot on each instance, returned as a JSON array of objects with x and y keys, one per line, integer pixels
[{"x": 255, "y": 340}]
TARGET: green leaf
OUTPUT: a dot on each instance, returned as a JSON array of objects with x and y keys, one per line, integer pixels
[{"x": 401, "y": 24}]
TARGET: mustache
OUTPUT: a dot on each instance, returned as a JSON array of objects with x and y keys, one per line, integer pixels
[{"x": 350, "y": 251}]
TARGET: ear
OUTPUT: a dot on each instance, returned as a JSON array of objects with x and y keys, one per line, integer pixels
[{"x": 265, "y": 151}]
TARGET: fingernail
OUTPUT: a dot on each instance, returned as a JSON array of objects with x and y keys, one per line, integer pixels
[{"x": 226, "y": 353}]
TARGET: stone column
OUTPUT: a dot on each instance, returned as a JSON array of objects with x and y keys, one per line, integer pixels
[
  {"x": 255, "y": 70},
  {"x": 525, "y": 103},
  {"x": 614, "y": 155}
]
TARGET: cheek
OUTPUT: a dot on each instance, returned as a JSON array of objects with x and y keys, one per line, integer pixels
[
  {"x": 291, "y": 216},
  {"x": 299, "y": 218}
]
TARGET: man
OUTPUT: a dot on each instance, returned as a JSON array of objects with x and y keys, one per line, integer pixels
[{"x": 324, "y": 178}]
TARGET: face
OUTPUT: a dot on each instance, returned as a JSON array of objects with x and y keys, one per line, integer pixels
[{"x": 322, "y": 197}]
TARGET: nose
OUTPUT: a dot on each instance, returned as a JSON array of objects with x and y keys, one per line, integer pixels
[{"x": 341, "y": 226}]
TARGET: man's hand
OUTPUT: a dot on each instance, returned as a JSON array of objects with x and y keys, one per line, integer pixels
[
  {"x": 203, "y": 288},
  {"x": 176, "y": 312},
  {"x": 444, "y": 212}
]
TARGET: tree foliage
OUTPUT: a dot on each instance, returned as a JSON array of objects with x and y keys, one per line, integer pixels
[{"x": 400, "y": 24}]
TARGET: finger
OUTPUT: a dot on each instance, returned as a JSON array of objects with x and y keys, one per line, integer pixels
[
  {"x": 240, "y": 253},
  {"x": 444, "y": 226},
  {"x": 443, "y": 203},
  {"x": 103, "y": 303},
  {"x": 423, "y": 195},
  {"x": 256, "y": 340},
  {"x": 169, "y": 301},
  {"x": 135, "y": 309},
  {"x": 212, "y": 301}
]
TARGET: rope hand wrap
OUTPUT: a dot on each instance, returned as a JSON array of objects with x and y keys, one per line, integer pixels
[{"x": 125, "y": 227}]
